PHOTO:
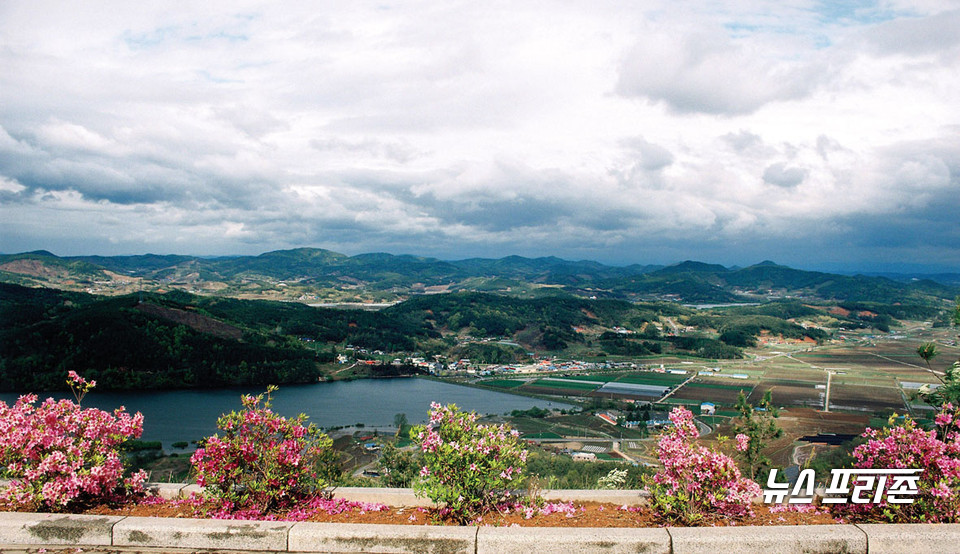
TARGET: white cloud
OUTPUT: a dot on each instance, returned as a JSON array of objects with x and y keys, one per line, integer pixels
[
  {"x": 707, "y": 71},
  {"x": 781, "y": 175},
  {"x": 615, "y": 130}
]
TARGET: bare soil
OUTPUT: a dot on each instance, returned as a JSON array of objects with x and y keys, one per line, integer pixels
[
  {"x": 583, "y": 514},
  {"x": 193, "y": 320}
]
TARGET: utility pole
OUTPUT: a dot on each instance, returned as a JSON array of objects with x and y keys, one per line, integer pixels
[{"x": 826, "y": 396}]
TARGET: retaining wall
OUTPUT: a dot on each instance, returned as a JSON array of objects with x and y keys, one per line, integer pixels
[{"x": 29, "y": 532}]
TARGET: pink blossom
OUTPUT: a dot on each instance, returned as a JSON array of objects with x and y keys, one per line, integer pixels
[
  {"x": 709, "y": 482},
  {"x": 59, "y": 453}
]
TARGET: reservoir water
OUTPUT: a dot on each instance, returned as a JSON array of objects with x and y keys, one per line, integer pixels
[{"x": 188, "y": 415}]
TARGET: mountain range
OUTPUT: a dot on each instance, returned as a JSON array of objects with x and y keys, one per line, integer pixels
[{"x": 312, "y": 274}]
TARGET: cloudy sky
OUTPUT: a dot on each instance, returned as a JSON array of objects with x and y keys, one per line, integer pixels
[{"x": 822, "y": 135}]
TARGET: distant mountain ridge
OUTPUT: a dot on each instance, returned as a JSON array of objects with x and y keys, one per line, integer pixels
[{"x": 300, "y": 273}]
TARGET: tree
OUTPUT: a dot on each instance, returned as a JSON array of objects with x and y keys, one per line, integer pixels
[
  {"x": 758, "y": 426},
  {"x": 927, "y": 351},
  {"x": 949, "y": 391},
  {"x": 400, "y": 420},
  {"x": 955, "y": 314}
]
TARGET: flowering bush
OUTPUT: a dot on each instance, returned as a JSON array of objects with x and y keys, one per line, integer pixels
[
  {"x": 907, "y": 446},
  {"x": 615, "y": 479},
  {"x": 263, "y": 461},
  {"x": 60, "y": 455},
  {"x": 695, "y": 481},
  {"x": 468, "y": 468}
]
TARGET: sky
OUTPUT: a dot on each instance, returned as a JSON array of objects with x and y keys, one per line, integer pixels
[{"x": 820, "y": 135}]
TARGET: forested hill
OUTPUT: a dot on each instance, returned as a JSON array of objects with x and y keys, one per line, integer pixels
[
  {"x": 124, "y": 344},
  {"x": 316, "y": 275},
  {"x": 176, "y": 340}
]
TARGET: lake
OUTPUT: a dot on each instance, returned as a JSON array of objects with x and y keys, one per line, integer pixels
[{"x": 188, "y": 415}]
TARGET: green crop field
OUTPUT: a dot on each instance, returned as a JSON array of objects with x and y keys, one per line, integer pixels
[
  {"x": 561, "y": 384},
  {"x": 547, "y": 435},
  {"x": 660, "y": 379},
  {"x": 504, "y": 383},
  {"x": 598, "y": 378}
]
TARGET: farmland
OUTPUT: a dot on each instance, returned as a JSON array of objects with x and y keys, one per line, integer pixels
[
  {"x": 869, "y": 374},
  {"x": 870, "y": 377}
]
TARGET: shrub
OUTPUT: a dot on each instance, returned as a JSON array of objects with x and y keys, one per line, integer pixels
[
  {"x": 693, "y": 481},
  {"x": 468, "y": 468},
  {"x": 263, "y": 462},
  {"x": 398, "y": 468},
  {"x": 907, "y": 446},
  {"x": 60, "y": 455},
  {"x": 613, "y": 480},
  {"x": 755, "y": 427}
]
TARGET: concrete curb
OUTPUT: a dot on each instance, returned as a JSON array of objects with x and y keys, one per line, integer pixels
[
  {"x": 346, "y": 537},
  {"x": 783, "y": 538},
  {"x": 914, "y": 538},
  {"x": 31, "y": 532},
  {"x": 56, "y": 529},
  {"x": 572, "y": 540},
  {"x": 216, "y": 534}
]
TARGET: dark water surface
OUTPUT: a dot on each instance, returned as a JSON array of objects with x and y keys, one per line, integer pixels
[{"x": 188, "y": 415}]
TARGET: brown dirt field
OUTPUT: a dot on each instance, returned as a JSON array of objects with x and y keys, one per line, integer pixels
[
  {"x": 584, "y": 514},
  {"x": 866, "y": 398},
  {"x": 646, "y": 398},
  {"x": 813, "y": 376},
  {"x": 807, "y": 421},
  {"x": 788, "y": 394},
  {"x": 717, "y": 396}
]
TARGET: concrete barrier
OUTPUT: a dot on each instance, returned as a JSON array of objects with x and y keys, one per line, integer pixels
[
  {"x": 621, "y": 497},
  {"x": 917, "y": 538},
  {"x": 390, "y": 497},
  {"x": 780, "y": 539},
  {"x": 168, "y": 491},
  {"x": 56, "y": 529},
  {"x": 572, "y": 540},
  {"x": 28, "y": 532},
  {"x": 347, "y": 537},
  {"x": 214, "y": 534}
]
